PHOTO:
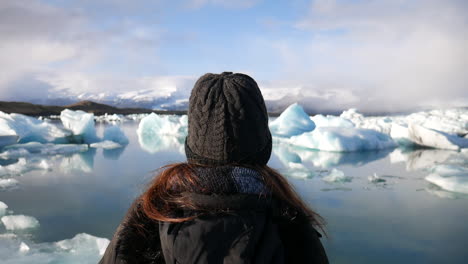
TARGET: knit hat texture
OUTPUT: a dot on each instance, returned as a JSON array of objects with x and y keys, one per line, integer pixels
[{"x": 227, "y": 121}]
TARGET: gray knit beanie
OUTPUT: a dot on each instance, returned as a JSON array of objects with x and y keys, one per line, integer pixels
[{"x": 227, "y": 121}]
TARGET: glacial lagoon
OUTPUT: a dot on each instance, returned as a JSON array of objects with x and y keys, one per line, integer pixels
[{"x": 378, "y": 205}]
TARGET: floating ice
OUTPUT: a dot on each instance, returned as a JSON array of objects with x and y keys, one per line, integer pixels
[
  {"x": 381, "y": 124},
  {"x": 3, "y": 208},
  {"x": 22, "y": 150},
  {"x": 293, "y": 121},
  {"x": 336, "y": 175},
  {"x": 114, "y": 118},
  {"x": 156, "y": 133},
  {"x": 30, "y": 129},
  {"x": 80, "y": 123},
  {"x": 331, "y": 121},
  {"x": 82, "y": 248},
  {"x": 23, "y": 247},
  {"x": 434, "y": 139},
  {"x": 6, "y": 184},
  {"x": 16, "y": 222},
  {"x": 115, "y": 134},
  {"x": 84, "y": 242},
  {"x": 343, "y": 139},
  {"x": 106, "y": 144}
]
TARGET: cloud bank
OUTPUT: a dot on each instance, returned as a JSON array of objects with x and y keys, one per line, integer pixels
[{"x": 387, "y": 55}]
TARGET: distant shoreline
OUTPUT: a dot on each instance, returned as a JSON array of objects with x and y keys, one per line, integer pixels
[
  {"x": 97, "y": 109},
  {"x": 87, "y": 106}
]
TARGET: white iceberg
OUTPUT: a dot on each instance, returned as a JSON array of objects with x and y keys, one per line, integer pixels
[
  {"x": 114, "y": 118},
  {"x": 292, "y": 121},
  {"x": 3, "y": 208},
  {"x": 115, "y": 134},
  {"x": 158, "y": 132},
  {"x": 435, "y": 139},
  {"x": 81, "y": 124},
  {"x": 335, "y": 176},
  {"x": 106, "y": 144},
  {"x": 29, "y": 129},
  {"x": 343, "y": 139},
  {"x": 83, "y": 248},
  {"x": 7, "y": 184},
  {"x": 331, "y": 121},
  {"x": 376, "y": 179},
  {"x": 16, "y": 222}
]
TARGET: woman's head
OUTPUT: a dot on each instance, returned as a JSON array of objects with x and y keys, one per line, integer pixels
[{"x": 228, "y": 121}]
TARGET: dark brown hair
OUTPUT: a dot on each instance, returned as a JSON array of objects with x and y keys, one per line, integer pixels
[{"x": 163, "y": 196}]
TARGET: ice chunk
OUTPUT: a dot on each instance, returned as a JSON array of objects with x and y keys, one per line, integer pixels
[
  {"x": 106, "y": 144},
  {"x": 293, "y": 121},
  {"x": 82, "y": 248},
  {"x": 3, "y": 208},
  {"x": 433, "y": 138},
  {"x": 6, "y": 184},
  {"x": 331, "y": 121},
  {"x": 84, "y": 242},
  {"x": 343, "y": 139},
  {"x": 31, "y": 129},
  {"x": 22, "y": 150},
  {"x": 336, "y": 175},
  {"x": 157, "y": 133},
  {"x": 114, "y": 118},
  {"x": 15, "y": 222},
  {"x": 23, "y": 247},
  {"x": 115, "y": 134},
  {"x": 400, "y": 134},
  {"x": 80, "y": 123}
]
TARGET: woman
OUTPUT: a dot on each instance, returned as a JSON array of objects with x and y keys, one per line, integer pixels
[{"x": 224, "y": 205}]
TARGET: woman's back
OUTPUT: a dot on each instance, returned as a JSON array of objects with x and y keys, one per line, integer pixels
[{"x": 224, "y": 205}]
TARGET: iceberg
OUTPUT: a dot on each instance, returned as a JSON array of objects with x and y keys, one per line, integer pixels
[
  {"x": 28, "y": 129},
  {"x": 115, "y": 134},
  {"x": 292, "y": 121},
  {"x": 3, "y": 208},
  {"x": 343, "y": 139},
  {"x": 16, "y": 222},
  {"x": 82, "y": 248},
  {"x": 81, "y": 124},
  {"x": 7, "y": 184},
  {"x": 331, "y": 121},
  {"x": 157, "y": 133},
  {"x": 23, "y": 166},
  {"x": 435, "y": 139}
]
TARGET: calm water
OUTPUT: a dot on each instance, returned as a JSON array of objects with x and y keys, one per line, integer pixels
[{"x": 404, "y": 219}]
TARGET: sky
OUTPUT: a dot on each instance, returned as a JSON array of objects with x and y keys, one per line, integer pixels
[{"x": 373, "y": 55}]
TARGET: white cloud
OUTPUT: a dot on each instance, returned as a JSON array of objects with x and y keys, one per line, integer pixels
[{"x": 391, "y": 54}]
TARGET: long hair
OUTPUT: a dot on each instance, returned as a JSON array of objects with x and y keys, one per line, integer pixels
[{"x": 163, "y": 197}]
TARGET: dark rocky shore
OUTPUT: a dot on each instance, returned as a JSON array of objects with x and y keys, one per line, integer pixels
[{"x": 87, "y": 106}]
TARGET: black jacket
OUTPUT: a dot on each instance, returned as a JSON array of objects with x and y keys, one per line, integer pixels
[{"x": 241, "y": 228}]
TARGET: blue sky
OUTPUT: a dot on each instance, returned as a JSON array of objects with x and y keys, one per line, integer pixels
[{"x": 387, "y": 55}]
